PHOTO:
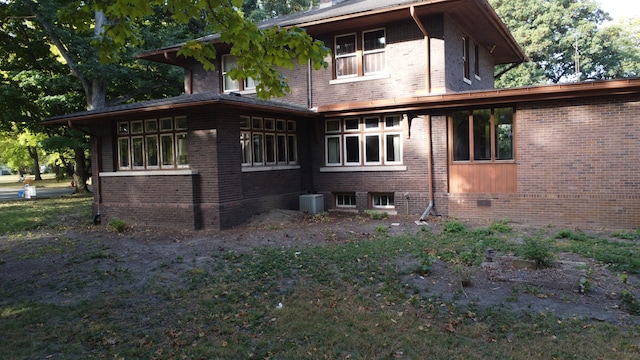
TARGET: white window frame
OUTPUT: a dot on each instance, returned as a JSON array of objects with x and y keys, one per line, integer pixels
[
  {"x": 326, "y": 150},
  {"x": 380, "y": 196},
  {"x": 366, "y": 52},
  {"x": 340, "y": 204},
  {"x": 345, "y": 149},
  {"x": 225, "y": 67},
  {"x": 353, "y": 54}
]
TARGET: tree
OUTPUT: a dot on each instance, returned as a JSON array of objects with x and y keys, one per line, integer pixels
[
  {"x": 565, "y": 40},
  {"x": 261, "y": 53},
  {"x": 257, "y": 11},
  {"x": 41, "y": 51}
]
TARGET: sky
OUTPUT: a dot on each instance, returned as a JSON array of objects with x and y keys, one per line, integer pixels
[{"x": 620, "y": 8}]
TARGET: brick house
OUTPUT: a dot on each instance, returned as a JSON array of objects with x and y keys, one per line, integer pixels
[{"x": 405, "y": 120}]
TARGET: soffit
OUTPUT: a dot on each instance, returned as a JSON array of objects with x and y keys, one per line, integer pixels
[{"x": 425, "y": 104}]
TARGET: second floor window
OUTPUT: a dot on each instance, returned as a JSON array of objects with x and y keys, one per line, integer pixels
[
  {"x": 230, "y": 62},
  {"x": 360, "y": 54}
]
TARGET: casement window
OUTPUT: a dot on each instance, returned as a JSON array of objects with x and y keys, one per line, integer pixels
[
  {"x": 230, "y": 62},
  {"x": 268, "y": 141},
  {"x": 360, "y": 54},
  {"x": 153, "y": 144},
  {"x": 482, "y": 135},
  {"x": 363, "y": 141},
  {"x": 345, "y": 200},
  {"x": 382, "y": 201},
  {"x": 465, "y": 58}
]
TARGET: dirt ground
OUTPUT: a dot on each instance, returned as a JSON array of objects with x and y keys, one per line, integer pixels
[{"x": 84, "y": 262}]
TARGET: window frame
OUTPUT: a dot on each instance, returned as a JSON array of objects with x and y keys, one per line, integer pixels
[
  {"x": 466, "y": 74},
  {"x": 364, "y": 131},
  {"x": 282, "y": 150},
  {"x": 148, "y": 134},
  {"x": 359, "y": 55},
  {"x": 385, "y": 195},
  {"x": 246, "y": 85},
  {"x": 338, "y": 199},
  {"x": 470, "y": 138}
]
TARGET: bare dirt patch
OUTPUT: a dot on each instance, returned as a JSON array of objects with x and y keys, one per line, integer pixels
[{"x": 84, "y": 262}]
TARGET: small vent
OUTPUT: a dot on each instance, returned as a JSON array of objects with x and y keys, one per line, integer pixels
[{"x": 312, "y": 204}]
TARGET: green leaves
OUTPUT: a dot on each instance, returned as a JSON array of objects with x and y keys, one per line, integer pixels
[{"x": 261, "y": 53}]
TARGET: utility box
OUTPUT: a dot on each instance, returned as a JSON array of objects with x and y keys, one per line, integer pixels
[{"x": 312, "y": 203}]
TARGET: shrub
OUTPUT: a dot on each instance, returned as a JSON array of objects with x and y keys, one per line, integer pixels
[
  {"x": 453, "y": 227},
  {"x": 538, "y": 250},
  {"x": 118, "y": 225},
  {"x": 501, "y": 226},
  {"x": 377, "y": 215},
  {"x": 630, "y": 302}
]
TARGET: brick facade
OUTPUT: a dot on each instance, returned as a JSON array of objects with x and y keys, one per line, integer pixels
[{"x": 575, "y": 156}]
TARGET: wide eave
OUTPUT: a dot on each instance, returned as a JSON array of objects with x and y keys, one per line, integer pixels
[
  {"x": 474, "y": 17},
  {"x": 424, "y": 104}
]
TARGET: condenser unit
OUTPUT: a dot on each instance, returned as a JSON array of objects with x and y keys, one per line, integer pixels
[{"x": 312, "y": 203}]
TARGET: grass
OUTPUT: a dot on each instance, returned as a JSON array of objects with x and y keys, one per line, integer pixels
[
  {"x": 17, "y": 216},
  {"x": 331, "y": 301},
  {"x": 48, "y": 180}
]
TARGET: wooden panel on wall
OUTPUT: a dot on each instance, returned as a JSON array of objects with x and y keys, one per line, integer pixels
[{"x": 483, "y": 178}]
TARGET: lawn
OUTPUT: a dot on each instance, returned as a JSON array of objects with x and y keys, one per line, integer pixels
[{"x": 87, "y": 296}]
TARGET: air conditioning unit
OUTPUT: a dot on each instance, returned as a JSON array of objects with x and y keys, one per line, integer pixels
[{"x": 312, "y": 203}]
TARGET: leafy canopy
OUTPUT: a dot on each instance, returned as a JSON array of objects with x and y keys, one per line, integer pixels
[
  {"x": 566, "y": 40},
  {"x": 261, "y": 53}
]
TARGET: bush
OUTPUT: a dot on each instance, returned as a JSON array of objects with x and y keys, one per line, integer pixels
[
  {"x": 453, "y": 227},
  {"x": 501, "y": 226},
  {"x": 538, "y": 250},
  {"x": 118, "y": 225}
]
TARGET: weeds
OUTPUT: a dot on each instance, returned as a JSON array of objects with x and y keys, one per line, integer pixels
[
  {"x": 538, "y": 250},
  {"x": 630, "y": 302},
  {"x": 119, "y": 225},
  {"x": 453, "y": 227},
  {"x": 377, "y": 215}
]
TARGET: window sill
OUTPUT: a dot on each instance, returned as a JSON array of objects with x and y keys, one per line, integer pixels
[
  {"x": 243, "y": 92},
  {"x": 359, "y": 78},
  {"x": 269, "y": 168},
  {"x": 363, "y": 168},
  {"x": 124, "y": 173}
]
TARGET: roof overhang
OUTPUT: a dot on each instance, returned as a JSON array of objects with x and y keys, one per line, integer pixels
[
  {"x": 177, "y": 104},
  {"x": 475, "y": 17},
  {"x": 425, "y": 104}
]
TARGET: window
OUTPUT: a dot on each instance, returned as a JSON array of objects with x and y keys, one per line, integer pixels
[
  {"x": 152, "y": 143},
  {"x": 267, "y": 141},
  {"x": 230, "y": 62},
  {"x": 370, "y": 140},
  {"x": 345, "y": 200},
  {"x": 382, "y": 201},
  {"x": 465, "y": 57},
  {"x": 360, "y": 54},
  {"x": 476, "y": 61},
  {"x": 482, "y": 135}
]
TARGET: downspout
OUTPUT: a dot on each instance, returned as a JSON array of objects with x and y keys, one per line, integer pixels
[
  {"x": 430, "y": 176},
  {"x": 427, "y": 43},
  {"x": 428, "y": 117}
]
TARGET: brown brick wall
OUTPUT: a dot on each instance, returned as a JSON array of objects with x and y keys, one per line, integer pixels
[
  {"x": 577, "y": 166},
  {"x": 412, "y": 182}
]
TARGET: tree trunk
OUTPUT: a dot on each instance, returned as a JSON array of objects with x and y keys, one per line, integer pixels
[
  {"x": 33, "y": 153},
  {"x": 80, "y": 175}
]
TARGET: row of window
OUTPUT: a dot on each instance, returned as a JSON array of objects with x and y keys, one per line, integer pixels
[
  {"x": 268, "y": 141},
  {"x": 153, "y": 143},
  {"x": 367, "y": 140},
  {"x": 482, "y": 134},
  {"x": 376, "y": 201}
]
